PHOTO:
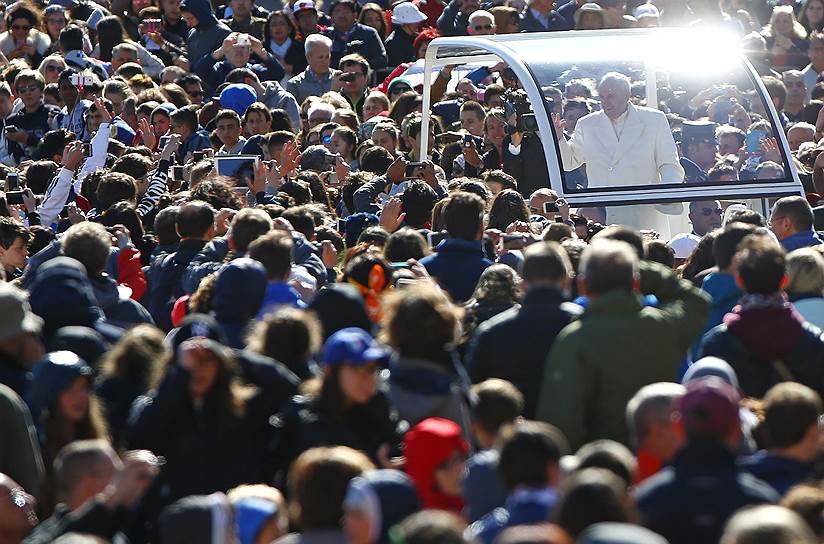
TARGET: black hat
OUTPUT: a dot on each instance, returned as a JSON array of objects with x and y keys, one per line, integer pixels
[
  {"x": 197, "y": 325},
  {"x": 349, "y": 3},
  {"x": 696, "y": 132}
]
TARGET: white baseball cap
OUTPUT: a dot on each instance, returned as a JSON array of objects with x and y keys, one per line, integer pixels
[
  {"x": 683, "y": 244},
  {"x": 303, "y": 5},
  {"x": 407, "y": 13}
]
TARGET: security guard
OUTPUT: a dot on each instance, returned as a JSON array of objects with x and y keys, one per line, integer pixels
[{"x": 699, "y": 149}]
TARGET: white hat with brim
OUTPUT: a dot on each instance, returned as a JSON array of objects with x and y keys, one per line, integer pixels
[{"x": 407, "y": 13}]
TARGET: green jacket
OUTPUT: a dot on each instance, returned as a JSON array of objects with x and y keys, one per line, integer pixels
[{"x": 617, "y": 346}]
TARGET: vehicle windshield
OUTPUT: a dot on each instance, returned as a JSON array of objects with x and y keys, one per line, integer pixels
[{"x": 717, "y": 118}]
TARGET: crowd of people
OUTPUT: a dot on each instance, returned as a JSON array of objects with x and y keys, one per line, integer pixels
[{"x": 241, "y": 303}]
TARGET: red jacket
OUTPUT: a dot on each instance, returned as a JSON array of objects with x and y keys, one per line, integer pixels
[
  {"x": 426, "y": 446},
  {"x": 130, "y": 271}
]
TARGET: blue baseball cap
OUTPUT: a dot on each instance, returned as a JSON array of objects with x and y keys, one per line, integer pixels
[
  {"x": 238, "y": 97},
  {"x": 353, "y": 346}
]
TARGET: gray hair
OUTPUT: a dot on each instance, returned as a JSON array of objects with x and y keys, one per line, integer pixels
[
  {"x": 608, "y": 265},
  {"x": 321, "y": 106},
  {"x": 481, "y": 13},
  {"x": 125, "y": 46},
  {"x": 652, "y": 403},
  {"x": 767, "y": 524},
  {"x": 316, "y": 39},
  {"x": 616, "y": 78}
]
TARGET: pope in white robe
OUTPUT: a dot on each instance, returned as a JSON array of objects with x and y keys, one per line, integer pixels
[{"x": 622, "y": 145}]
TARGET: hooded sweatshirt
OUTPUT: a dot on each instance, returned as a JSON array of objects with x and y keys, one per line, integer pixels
[
  {"x": 62, "y": 295},
  {"x": 50, "y": 377},
  {"x": 385, "y": 496},
  {"x": 426, "y": 446},
  {"x": 198, "y": 519},
  {"x": 238, "y": 294},
  {"x": 209, "y": 34}
]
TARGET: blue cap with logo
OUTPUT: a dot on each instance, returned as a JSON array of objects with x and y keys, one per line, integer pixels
[{"x": 353, "y": 346}]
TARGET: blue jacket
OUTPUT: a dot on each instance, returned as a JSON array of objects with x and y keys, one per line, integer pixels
[
  {"x": 214, "y": 73},
  {"x": 689, "y": 501},
  {"x": 523, "y": 507},
  {"x": 514, "y": 344},
  {"x": 801, "y": 239},
  {"x": 457, "y": 266},
  {"x": 279, "y": 293},
  {"x": 372, "y": 49},
  {"x": 237, "y": 296},
  {"x": 484, "y": 490},
  {"x": 209, "y": 34},
  {"x": 165, "y": 281},
  {"x": 196, "y": 141},
  {"x": 780, "y": 472},
  {"x": 753, "y": 341},
  {"x": 725, "y": 293}
]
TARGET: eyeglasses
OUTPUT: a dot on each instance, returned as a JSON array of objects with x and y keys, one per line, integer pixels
[
  {"x": 28, "y": 89},
  {"x": 707, "y": 212},
  {"x": 21, "y": 27},
  {"x": 482, "y": 27}
]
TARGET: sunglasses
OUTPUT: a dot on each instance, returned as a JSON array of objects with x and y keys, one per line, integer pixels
[
  {"x": 707, "y": 212},
  {"x": 482, "y": 27},
  {"x": 56, "y": 20},
  {"x": 400, "y": 90}
]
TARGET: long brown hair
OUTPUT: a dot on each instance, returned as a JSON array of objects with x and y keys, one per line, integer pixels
[{"x": 59, "y": 433}]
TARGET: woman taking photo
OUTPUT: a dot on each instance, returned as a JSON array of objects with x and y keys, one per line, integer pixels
[
  {"x": 493, "y": 154},
  {"x": 344, "y": 407},
  {"x": 280, "y": 39},
  {"x": 110, "y": 33},
  {"x": 24, "y": 39}
]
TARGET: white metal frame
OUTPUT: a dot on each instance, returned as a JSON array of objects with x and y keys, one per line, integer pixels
[{"x": 498, "y": 50}]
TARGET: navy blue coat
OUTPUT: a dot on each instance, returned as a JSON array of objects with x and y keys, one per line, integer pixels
[
  {"x": 514, "y": 344},
  {"x": 457, "y": 266},
  {"x": 690, "y": 501}
]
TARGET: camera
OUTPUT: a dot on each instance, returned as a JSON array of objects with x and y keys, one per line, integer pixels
[
  {"x": 516, "y": 101},
  {"x": 12, "y": 181},
  {"x": 197, "y": 156},
  {"x": 152, "y": 26},
  {"x": 82, "y": 80},
  {"x": 14, "y": 197},
  {"x": 348, "y": 77},
  {"x": 330, "y": 159},
  {"x": 243, "y": 40},
  {"x": 355, "y": 46},
  {"x": 413, "y": 167}
]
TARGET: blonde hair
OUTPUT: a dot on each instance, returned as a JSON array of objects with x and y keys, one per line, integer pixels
[
  {"x": 805, "y": 269},
  {"x": 798, "y": 29}
]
